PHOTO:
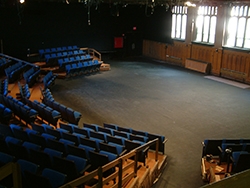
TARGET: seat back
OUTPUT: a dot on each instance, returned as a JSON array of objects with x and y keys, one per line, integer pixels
[
  {"x": 70, "y": 137},
  {"x": 108, "y": 148},
  {"x": 88, "y": 142},
  {"x": 211, "y": 147},
  {"x": 243, "y": 163},
  {"x": 66, "y": 127},
  {"x": 93, "y": 127},
  {"x": 41, "y": 158},
  {"x": 110, "y": 126},
  {"x": 56, "y": 145},
  {"x": 114, "y": 140},
  {"x": 80, "y": 152},
  {"x": 66, "y": 166}
]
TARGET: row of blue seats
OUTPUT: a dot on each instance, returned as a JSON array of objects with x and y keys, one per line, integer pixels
[
  {"x": 4, "y": 63},
  {"x": 58, "y": 49},
  {"x": 51, "y": 58},
  {"x": 49, "y": 80},
  {"x": 210, "y": 146},
  {"x": 31, "y": 75},
  {"x": 5, "y": 114},
  {"x": 67, "y": 113},
  {"x": 117, "y": 140},
  {"x": 45, "y": 112},
  {"x": 46, "y": 93},
  {"x": 149, "y": 136},
  {"x": 24, "y": 91},
  {"x": 63, "y": 62},
  {"x": 13, "y": 73},
  {"x": 235, "y": 151},
  {"x": 43, "y": 158},
  {"x": 30, "y": 176},
  {"x": 64, "y": 146},
  {"x": 4, "y": 87},
  {"x": 22, "y": 111},
  {"x": 81, "y": 68}
]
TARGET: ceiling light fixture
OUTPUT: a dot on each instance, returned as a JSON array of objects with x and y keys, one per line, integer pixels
[{"x": 189, "y": 4}]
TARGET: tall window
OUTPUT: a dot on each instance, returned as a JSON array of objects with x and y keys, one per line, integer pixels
[
  {"x": 206, "y": 24},
  {"x": 238, "y": 27},
  {"x": 179, "y": 22}
]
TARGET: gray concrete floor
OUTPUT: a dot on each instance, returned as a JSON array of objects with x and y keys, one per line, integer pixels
[{"x": 180, "y": 104}]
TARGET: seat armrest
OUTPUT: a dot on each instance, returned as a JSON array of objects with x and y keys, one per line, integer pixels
[
  {"x": 165, "y": 141},
  {"x": 86, "y": 168},
  {"x": 145, "y": 150},
  {"x": 122, "y": 153},
  {"x": 220, "y": 149},
  {"x": 232, "y": 159},
  {"x": 203, "y": 144}
]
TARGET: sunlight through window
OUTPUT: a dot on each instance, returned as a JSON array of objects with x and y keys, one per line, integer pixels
[
  {"x": 179, "y": 22},
  {"x": 206, "y": 24},
  {"x": 238, "y": 27}
]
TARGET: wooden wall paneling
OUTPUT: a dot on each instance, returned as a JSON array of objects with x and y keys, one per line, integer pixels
[
  {"x": 235, "y": 65},
  {"x": 176, "y": 53},
  {"x": 248, "y": 69},
  {"x": 154, "y": 50},
  {"x": 208, "y": 54}
]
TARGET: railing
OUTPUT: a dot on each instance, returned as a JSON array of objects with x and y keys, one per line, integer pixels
[
  {"x": 118, "y": 162},
  {"x": 93, "y": 52},
  {"x": 16, "y": 59},
  {"x": 241, "y": 179},
  {"x": 15, "y": 170}
]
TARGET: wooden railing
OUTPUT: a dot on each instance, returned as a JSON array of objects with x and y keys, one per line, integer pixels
[
  {"x": 118, "y": 162},
  {"x": 15, "y": 170},
  {"x": 93, "y": 52},
  {"x": 241, "y": 180}
]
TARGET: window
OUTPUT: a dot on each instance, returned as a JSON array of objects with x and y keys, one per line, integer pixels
[
  {"x": 179, "y": 22},
  {"x": 206, "y": 24},
  {"x": 238, "y": 27}
]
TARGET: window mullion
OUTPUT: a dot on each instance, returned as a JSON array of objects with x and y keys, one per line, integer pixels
[
  {"x": 236, "y": 38},
  {"x": 209, "y": 28},
  {"x": 203, "y": 25}
]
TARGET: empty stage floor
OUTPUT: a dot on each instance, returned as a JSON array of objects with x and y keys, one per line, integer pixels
[{"x": 180, "y": 104}]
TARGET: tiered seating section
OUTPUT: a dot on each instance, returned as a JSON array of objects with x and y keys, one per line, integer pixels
[
  {"x": 45, "y": 112},
  {"x": 13, "y": 73},
  {"x": 67, "y": 113},
  {"x": 82, "y": 67},
  {"x": 68, "y": 150},
  {"x": 31, "y": 76},
  {"x": 43, "y": 52},
  {"x": 22, "y": 111},
  {"x": 24, "y": 91},
  {"x": 4, "y": 87},
  {"x": 234, "y": 154},
  {"x": 52, "y": 55},
  {"x": 4, "y": 63},
  {"x": 5, "y": 114},
  {"x": 49, "y": 80},
  {"x": 63, "y": 62}
]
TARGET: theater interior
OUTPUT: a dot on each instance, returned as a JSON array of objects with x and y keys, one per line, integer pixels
[{"x": 128, "y": 93}]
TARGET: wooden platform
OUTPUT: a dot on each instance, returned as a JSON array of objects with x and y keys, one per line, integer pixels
[
  {"x": 211, "y": 171},
  {"x": 105, "y": 67}
]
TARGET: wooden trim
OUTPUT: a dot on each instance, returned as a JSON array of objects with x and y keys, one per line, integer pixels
[
  {"x": 15, "y": 170},
  {"x": 104, "y": 168},
  {"x": 135, "y": 183}
]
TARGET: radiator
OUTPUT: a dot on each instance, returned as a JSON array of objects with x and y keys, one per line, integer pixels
[{"x": 199, "y": 66}]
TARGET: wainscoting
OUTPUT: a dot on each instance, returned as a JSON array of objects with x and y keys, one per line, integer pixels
[{"x": 225, "y": 63}]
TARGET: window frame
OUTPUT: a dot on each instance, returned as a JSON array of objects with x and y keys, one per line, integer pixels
[
  {"x": 238, "y": 17},
  {"x": 204, "y": 14},
  {"x": 176, "y": 11}
]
